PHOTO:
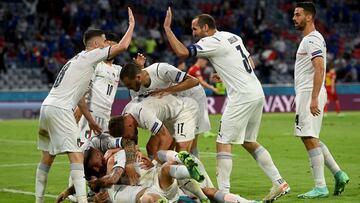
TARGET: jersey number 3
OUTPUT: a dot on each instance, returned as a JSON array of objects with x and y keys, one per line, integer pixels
[{"x": 245, "y": 60}]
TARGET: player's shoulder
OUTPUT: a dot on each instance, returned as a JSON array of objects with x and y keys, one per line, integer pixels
[{"x": 313, "y": 37}]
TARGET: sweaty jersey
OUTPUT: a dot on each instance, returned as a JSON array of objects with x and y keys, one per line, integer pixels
[
  {"x": 151, "y": 112},
  {"x": 103, "y": 88},
  {"x": 229, "y": 57},
  {"x": 311, "y": 46},
  {"x": 74, "y": 78}
]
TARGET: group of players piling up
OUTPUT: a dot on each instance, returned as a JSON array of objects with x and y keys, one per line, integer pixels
[{"x": 75, "y": 118}]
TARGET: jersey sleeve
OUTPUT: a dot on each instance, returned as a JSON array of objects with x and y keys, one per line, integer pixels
[
  {"x": 97, "y": 55},
  {"x": 206, "y": 47},
  {"x": 314, "y": 47},
  {"x": 119, "y": 159},
  {"x": 170, "y": 73},
  {"x": 144, "y": 117}
]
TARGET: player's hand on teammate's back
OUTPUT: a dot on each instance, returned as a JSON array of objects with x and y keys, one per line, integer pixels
[
  {"x": 95, "y": 127},
  {"x": 131, "y": 174},
  {"x": 144, "y": 161},
  {"x": 140, "y": 60},
  {"x": 314, "y": 107},
  {"x": 77, "y": 114},
  {"x": 168, "y": 18}
]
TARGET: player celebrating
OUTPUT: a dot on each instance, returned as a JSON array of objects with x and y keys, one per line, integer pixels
[
  {"x": 310, "y": 99},
  {"x": 330, "y": 80},
  {"x": 101, "y": 93},
  {"x": 58, "y": 129},
  {"x": 164, "y": 78},
  {"x": 241, "y": 119}
]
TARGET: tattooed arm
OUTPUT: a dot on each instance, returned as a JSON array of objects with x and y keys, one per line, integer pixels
[{"x": 130, "y": 151}]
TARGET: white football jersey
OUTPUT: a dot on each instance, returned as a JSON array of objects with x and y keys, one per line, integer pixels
[
  {"x": 103, "y": 88},
  {"x": 311, "y": 46},
  {"x": 151, "y": 112},
  {"x": 228, "y": 55},
  {"x": 74, "y": 78},
  {"x": 163, "y": 75}
]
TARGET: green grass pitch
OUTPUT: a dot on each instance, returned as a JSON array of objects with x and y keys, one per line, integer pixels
[{"x": 19, "y": 157}]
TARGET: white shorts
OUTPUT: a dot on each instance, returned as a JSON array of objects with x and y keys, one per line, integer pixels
[
  {"x": 241, "y": 123},
  {"x": 124, "y": 193},
  {"x": 85, "y": 133},
  {"x": 307, "y": 125},
  {"x": 183, "y": 127},
  {"x": 59, "y": 129},
  {"x": 198, "y": 94}
]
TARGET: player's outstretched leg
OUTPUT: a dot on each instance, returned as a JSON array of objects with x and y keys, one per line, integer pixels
[
  {"x": 263, "y": 158},
  {"x": 222, "y": 197}
]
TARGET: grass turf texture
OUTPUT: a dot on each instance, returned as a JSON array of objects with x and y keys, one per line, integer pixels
[{"x": 19, "y": 158}]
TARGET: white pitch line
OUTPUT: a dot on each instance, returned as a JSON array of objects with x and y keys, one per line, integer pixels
[
  {"x": 24, "y": 192},
  {"x": 26, "y": 164}
]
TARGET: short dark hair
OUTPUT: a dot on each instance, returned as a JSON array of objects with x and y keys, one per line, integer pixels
[
  {"x": 116, "y": 126},
  {"x": 110, "y": 36},
  {"x": 91, "y": 33},
  {"x": 308, "y": 7},
  {"x": 88, "y": 154},
  {"x": 130, "y": 71},
  {"x": 206, "y": 19}
]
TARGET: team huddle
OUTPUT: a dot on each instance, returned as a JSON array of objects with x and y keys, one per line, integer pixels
[{"x": 103, "y": 151}]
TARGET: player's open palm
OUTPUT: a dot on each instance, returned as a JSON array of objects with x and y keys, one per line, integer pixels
[
  {"x": 131, "y": 17},
  {"x": 140, "y": 60},
  {"x": 168, "y": 18},
  {"x": 314, "y": 107}
]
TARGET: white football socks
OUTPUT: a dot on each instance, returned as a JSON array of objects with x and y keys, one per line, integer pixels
[
  {"x": 223, "y": 170},
  {"x": 77, "y": 176},
  {"x": 229, "y": 198},
  {"x": 179, "y": 172},
  {"x": 264, "y": 160},
  {"x": 329, "y": 159},
  {"x": 317, "y": 166},
  {"x": 42, "y": 172}
]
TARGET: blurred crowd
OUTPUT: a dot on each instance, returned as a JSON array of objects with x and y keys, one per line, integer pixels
[{"x": 45, "y": 34}]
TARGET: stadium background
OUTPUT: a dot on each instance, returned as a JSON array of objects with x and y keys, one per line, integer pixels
[{"x": 37, "y": 37}]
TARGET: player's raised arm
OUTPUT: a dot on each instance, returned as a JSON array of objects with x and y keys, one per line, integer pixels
[
  {"x": 179, "y": 49},
  {"x": 125, "y": 41}
]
